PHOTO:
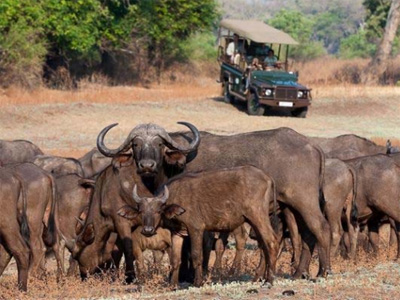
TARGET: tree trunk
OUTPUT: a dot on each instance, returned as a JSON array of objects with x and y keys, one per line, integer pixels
[{"x": 378, "y": 66}]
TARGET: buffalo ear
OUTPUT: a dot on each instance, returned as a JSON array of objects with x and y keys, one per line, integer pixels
[
  {"x": 122, "y": 160},
  {"x": 128, "y": 212},
  {"x": 175, "y": 158},
  {"x": 173, "y": 210},
  {"x": 88, "y": 234}
]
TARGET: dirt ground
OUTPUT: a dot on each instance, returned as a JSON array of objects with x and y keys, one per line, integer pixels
[{"x": 67, "y": 123}]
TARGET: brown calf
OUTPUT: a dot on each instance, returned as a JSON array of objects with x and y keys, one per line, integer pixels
[{"x": 220, "y": 200}]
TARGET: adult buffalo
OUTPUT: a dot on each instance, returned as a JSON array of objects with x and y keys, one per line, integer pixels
[
  {"x": 40, "y": 198},
  {"x": 112, "y": 191},
  {"x": 73, "y": 194},
  {"x": 378, "y": 190},
  {"x": 17, "y": 151},
  {"x": 349, "y": 146},
  {"x": 14, "y": 229},
  {"x": 94, "y": 162},
  {"x": 295, "y": 164},
  {"x": 152, "y": 149},
  {"x": 59, "y": 166}
]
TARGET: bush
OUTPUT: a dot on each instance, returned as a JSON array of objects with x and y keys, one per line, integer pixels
[
  {"x": 200, "y": 47},
  {"x": 356, "y": 45}
]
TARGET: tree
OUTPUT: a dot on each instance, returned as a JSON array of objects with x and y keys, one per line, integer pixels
[
  {"x": 300, "y": 27},
  {"x": 378, "y": 65}
]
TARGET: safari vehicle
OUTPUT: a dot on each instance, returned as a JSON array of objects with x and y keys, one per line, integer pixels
[{"x": 247, "y": 75}]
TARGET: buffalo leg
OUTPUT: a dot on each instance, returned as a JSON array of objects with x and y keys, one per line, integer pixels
[
  {"x": 5, "y": 257},
  {"x": 294, "y": 236},
  {"x": 38, "y": 250},
  {"x": 125, "y": 234},
  {"x": 196, "y": 238},
  {"x": 353, "y": 229},
  {"x": 138, "y": 254},
  {"x": 373, "y": 233},
  {"x": 395, "y": 227},
  {"x": 18, "y": 248},
  {"x": 73, "y": 267},
  {"x": 220, "y": 245},
  {"x": 316, "y": 230},
  {"x": 269, "y": 244},
  {"x": 177, "y": 243},
  {"x": 208, "y": 241},
  {"x": 240, "y": 235}
]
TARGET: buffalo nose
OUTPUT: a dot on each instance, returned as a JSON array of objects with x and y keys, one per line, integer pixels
[
  {"x": 148, "y": 230},
  {"x": 147, "y": 164}
]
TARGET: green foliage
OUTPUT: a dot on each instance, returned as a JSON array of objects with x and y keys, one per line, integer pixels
[
  {"x": 300, "y": 27},
  {"x": 168, "y": 23},
  {"x": 22, "y": 43},
  {"x": 377, "y": 12},
  {"x": 199, "y": 47},
  {"x": 357, "y": 45}
]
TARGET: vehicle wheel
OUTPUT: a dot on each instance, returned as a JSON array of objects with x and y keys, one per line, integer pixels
[
  {"x": 300, "y": 112},
  {"x": 253, "y": 107},
  {"x": 228, "y": 98}
]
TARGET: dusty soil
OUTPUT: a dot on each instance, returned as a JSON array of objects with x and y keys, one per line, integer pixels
[{"x": 67, "y": 123}]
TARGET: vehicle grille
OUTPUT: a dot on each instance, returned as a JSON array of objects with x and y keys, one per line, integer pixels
[{"x": 283, "y": 93}]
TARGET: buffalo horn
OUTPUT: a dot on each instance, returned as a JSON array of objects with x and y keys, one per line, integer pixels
[
  {"x": 173, "y": 145},
  {"x": 135, "y": 195},
  {"x": 164, "y": 197},
  {"x": 112, "y": 152}
]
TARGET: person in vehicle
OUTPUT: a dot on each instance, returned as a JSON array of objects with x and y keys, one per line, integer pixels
[
  {"x": 271, "y": 61},
  {"x": 233, "y": 48},
  {"x": 253, "y": 67}
]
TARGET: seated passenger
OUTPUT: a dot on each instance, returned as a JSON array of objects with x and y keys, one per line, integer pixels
[
  {"x": 233, "y": 48},
  {"x": 271, "y": 60}
]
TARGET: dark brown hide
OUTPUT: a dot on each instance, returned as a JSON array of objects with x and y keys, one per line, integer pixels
[
  {"x": 18, "y": 151},
  {"x": 347, "y": 146},
  {"x": 244, "y": 195},
  {"x": 94, "y": 162},
  {"x": 378, "y": 191},
  {"x": 40, "y": 190},
  {"x": 296, "y": 166},
  {"x": 59, "y": 166},
  {"x": 12, "y": 242},
  {"x": 72, "y": 198}
]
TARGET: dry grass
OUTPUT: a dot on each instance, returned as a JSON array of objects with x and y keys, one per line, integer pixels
[
  {"x": 367, "y": 278},
  {"x": 66, "y": 123}
]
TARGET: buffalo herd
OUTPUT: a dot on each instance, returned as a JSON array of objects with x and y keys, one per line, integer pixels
[{"x": 184, "y": 193}]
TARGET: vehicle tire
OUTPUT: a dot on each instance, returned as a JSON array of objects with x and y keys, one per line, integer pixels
[
  {"x": 253, "y": 107},
  {"x": 228, "y": 98},
  {"x": 300, "y": 112}
]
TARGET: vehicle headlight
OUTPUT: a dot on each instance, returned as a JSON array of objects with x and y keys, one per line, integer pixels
[
  {"x": 300, "y": 94},
  {"x": 268, "y": 92}
]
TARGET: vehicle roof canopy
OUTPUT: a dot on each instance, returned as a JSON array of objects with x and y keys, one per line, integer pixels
[{"x": 258, "y": 31}]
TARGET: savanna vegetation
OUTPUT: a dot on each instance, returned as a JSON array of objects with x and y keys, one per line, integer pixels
[{"x": 57, "y": 43}]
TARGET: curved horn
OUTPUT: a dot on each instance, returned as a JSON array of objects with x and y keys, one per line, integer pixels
[
  {"x": 164, "y": 197},
  {"x": 112, "y": 152},
  {"x": 192, "y": 146},
  {"x": 135, "y": 195}
]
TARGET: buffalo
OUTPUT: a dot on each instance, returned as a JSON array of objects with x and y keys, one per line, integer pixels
[
  {"x": 59, "y": 166},
  {"x": 39, "y": 188},
  {"x": 73, "y": 195},
  {"x": 244, "y": 195},
  {"x": 14, "y": 228},
  {"x": 94, "y": 162},
  {"x": 348, "y": 146},
  {"x": 17, "y": 151},
  {"x": 378, "y": 190},
  {"x": 274, "y": 151}
]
